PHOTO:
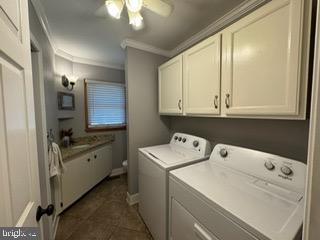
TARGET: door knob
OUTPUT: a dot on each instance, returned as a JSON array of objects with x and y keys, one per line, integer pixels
[{"x": 40, "y": 211}]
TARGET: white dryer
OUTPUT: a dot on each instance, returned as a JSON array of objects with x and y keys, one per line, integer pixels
[
  {"x": 154, "y": 166},
  {"x": 238, "y": 194}
]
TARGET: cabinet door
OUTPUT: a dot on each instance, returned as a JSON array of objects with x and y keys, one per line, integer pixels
[
  {"x": 261, "y": 68},
  {"x": 201, "y": 66},
  {"x": 102, "y": 161},
  {"x": 76, "y": 179},
  {"x": 170, "y": 86}
]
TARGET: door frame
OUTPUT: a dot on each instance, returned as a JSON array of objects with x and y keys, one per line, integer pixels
[
  {"x": 313, "y": 177},
  {"x": 49, "y": 223}
]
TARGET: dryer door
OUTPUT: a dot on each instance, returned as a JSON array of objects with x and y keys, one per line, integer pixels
[{"x": 185, "y": 227}]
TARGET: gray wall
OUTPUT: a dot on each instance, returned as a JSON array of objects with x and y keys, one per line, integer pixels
[
  {"x": 145, "y": 126},
  {"x": 281, "y": 137},
  {"x": 48, "y": 70},
  {"x": 77, "y": 123}
]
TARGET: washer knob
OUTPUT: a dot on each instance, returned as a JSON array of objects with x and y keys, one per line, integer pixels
[
  {"x": 269, "y": 165},
  {"x": 223, "y": 152},
  {"x": 286, "y": 170},
  {"x": 179, "y": 139},
  {"x": 176, "y": 138},
  {"x": 195, "y": 143},
  {"x": 184, "y": 140}
]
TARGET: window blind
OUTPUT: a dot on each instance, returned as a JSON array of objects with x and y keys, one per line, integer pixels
[{"x": 106, "y": 104}]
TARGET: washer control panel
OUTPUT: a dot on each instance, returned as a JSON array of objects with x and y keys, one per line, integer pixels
[
  {"x": 269, "y": 167},
  {"x": 194, "y": 143}
]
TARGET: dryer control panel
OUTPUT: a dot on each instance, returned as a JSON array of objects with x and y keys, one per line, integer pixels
[{"x": 268, "y": 167}]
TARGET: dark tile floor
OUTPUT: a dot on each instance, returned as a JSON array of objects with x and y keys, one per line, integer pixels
[{"x": 103, "y": 214}]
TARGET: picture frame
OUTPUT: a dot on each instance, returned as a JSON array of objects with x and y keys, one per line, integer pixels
[{"x": 66, "y": 101}]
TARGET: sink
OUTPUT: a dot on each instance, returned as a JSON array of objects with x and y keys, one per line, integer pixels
[{"x": 80, "y": 146}]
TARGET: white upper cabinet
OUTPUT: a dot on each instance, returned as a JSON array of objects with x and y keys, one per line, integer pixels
[
  {"x": 264, "y": 62},
  {"x": 201, "y": 68},
  {"x": 170, "y": 87},
  {"x": 255, "y": 68}
]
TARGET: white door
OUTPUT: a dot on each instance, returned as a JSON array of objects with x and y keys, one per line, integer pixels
[
  {"x": 201, "y": 67},
  {"x": 19, "y": 184},
  {"x": 312, "y": 214},
  {"x": 170, "y": 86},
  {"x": 262, "y": 69}
]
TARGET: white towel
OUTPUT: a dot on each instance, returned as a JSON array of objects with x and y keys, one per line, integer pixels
[{"x": 56, "y": 166}]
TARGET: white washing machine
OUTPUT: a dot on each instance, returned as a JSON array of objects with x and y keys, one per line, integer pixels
[
  {"x": 154, "y": 165},
  {"x": 238, "y": 194}
]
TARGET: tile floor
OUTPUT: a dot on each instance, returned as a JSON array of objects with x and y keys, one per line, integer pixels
[{"x": 103, "y": 214}]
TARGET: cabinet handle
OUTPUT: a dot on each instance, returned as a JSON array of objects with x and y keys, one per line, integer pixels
[
  {"x": 216, "y": 101},
  {"x": 95, "y": 156},
  {"x": 227, "y": 100},
  {"x": 88, "y": 159},
  {"x": 179, "y": 104}
]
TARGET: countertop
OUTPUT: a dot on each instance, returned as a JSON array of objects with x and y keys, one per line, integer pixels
[{"x": 85, "y": 144}]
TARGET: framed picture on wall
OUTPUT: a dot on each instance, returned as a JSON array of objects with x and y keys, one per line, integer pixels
[{"x": 66, "y": 101}]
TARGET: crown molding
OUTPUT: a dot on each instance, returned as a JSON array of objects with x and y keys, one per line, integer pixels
[
  {"x": 64, "y": 55},
  {"x": 57, "y": 51},
  {"x": 80, "y": 60},
  {"x": 236, "y": 13},
  {"x": 145, "y": 47},
  {"x": 97, "y": 63}
]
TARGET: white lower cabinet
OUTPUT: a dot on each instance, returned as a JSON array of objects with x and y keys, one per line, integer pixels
[
  {"x": 84, "y": 172},
  {"x": 102, "y": 164}
]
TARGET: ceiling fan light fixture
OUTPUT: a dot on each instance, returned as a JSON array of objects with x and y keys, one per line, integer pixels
[
  {"x": 114, "y": 8},
  {"x": 134, "y": 5},
  {"x": 136, "y": 20}
]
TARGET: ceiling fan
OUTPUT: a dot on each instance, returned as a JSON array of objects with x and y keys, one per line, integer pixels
[{"x": 134, "y": 7}]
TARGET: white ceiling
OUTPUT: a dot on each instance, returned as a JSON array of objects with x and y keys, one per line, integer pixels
[{"x": 77, "y": 30}]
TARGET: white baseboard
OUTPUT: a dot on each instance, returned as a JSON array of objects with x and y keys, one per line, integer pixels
[
  {"x": 117, "y": 172},
  {"x": 132, "y": 199},
  {"x": 55, "y": 226}
]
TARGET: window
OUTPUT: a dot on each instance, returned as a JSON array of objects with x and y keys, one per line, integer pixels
[{"x": 105, "y": 105}]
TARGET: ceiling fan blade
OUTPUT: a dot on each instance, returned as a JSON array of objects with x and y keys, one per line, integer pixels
[{"x": 158, "y": 6}]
